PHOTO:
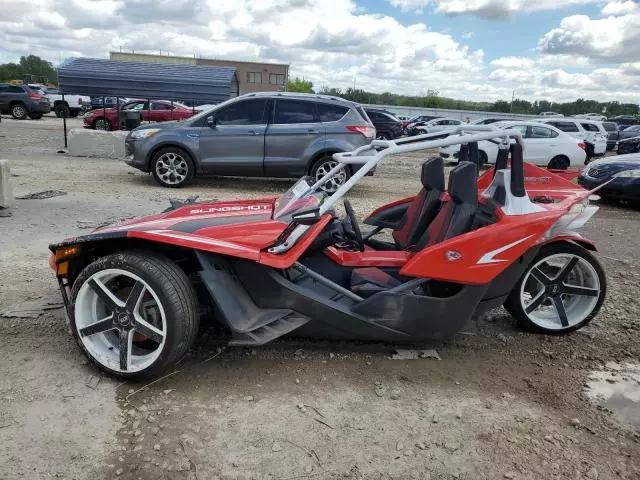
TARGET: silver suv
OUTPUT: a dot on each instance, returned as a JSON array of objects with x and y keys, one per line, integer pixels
[{"x": 254, "y": 135}]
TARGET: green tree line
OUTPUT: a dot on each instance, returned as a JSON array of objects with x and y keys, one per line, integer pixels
[{"x": 29, "y": 65}]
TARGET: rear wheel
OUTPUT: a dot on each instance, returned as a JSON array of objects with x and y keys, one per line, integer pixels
[
  {"x": 35, "y": 116},
  {"x": 133, "y": 313},
  {"x": 559, "y": 162},
  {"x": 18, "y": 111},
  {"x": 172, "y": 167},
  {"x": 383, "y": 136},
  {"x": 101, "y": 124},
  {"x": 561, "y": 291},
  {"x": 322, "y": 167}
]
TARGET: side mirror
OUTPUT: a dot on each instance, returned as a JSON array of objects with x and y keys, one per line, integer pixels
[
  {"x": 307, "y": 217},
  {"x": 211, "y": 122}
]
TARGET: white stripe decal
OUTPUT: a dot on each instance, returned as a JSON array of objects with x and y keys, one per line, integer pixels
[{"x": 489, "y": 256}]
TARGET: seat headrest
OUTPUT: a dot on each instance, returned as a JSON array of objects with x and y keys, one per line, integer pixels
[
  {"x": 463, "y": 187},
  {"x": 432, "y": 176}
]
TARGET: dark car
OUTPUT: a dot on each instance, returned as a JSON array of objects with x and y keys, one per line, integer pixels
[
  {"x": 387, "y": 125},
  {"x": 417, "y": 120},
  {"x": 613, "y": 130},
  {"x": 622, "y": 173},
  {"x": 21, "y": 102},
  {"x": 285, "y": 135}
]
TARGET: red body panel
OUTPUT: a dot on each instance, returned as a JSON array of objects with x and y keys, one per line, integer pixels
[
  {"x": 538, "y": 178},
  {"x": 518, "y": 232},
  {"x": 178, "y": 113},
  {"x": 368, "y": 258}
]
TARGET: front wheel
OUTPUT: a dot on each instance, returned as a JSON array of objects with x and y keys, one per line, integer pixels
[
  {"x": 561, "y": 291},
  {"x": 172, "y": 167},
  {"x": 101, "y": 124},
  {"x": 133, "y": 313},
  {"x": 322, "y": 167},
  {"x": 559, "y": 162}
]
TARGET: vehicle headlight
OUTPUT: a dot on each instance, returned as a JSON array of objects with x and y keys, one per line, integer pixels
[
  {"x": 634, "y": 173},
  {"x": 149, "y": 132}
]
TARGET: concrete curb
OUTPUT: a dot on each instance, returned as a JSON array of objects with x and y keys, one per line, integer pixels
[{"x": 96, "y": 143}]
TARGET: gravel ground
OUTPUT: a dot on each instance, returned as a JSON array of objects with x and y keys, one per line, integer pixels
[{"x": 500, "y": 404}]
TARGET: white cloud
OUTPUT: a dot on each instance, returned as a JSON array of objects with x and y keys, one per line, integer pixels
[
  {"x": 493, "y": 9},
  {"x": 619, "y": 8},
  {"x": 331, "y": 43},
  {"x": 605, "y": 40}
]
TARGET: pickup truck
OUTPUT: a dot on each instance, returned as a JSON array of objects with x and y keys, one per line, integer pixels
[{"x": 72, "y": 106}]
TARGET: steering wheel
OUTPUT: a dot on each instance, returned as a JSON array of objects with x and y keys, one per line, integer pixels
[{"x": 355, "y": 228}]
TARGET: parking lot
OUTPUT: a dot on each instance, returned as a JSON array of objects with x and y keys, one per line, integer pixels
[{"x": 499, "y": 403}]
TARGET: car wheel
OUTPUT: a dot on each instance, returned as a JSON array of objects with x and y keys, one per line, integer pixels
[
  {"x": 101, "y": 124},
  {"x": 322, "y": 167},
  {"x": 561, "y": 291},
  {"x": 133, "y": 313},
  {"x": 18, "y": 111},
  {"x": 74, "y": 113},
  {"x": 483, "y": 157},
  {"x": 172, "y": 167},
  {"x": 383, "y": 136},
  {"x": 35, "y": 116},
  {"x": 559, "y": 162},
  {"x": 61, "y": 111}
]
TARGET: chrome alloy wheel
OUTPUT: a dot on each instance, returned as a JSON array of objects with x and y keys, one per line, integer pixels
[
  {"x": 120, "y": 320},
  {"x": 560, "y": 291},
  {"x": 334, "y": 183},
  {"x": 172, "y": 168}
]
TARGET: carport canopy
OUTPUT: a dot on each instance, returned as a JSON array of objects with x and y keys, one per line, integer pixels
[{"x": 189, "y": 83}]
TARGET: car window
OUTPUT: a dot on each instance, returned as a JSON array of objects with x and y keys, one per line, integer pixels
[
  {"x": 590, "y": 127},
  {"x": 541, "y": 132},
  {"x": 388, "y": 117},
  {"x": 52, "y": 91},
  {"x": 160, "y": 106},
  {"x": 373, "y": 115},
  {"x": 15, "y": 89},
  {"x": 134, "y": 106},
  {"x": 294, "y": 111},
  {"x": 331, "y": 113},
  {"x": 609, "y": 126},
  {"x": 565, "y": 126},
  {"x": 245, "y": 112},
  {"x": 520, "y": 128}
]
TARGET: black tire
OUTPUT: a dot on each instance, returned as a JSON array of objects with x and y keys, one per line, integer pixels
[
  {"x": 559, "y": 162},
  {"x": 19, "y": 111},
  {"x": 61, "y": 110},
  {"x": 483, "y": 157},
  {"x": 165, "y": 180},
  {"x": 383, "y": 136},
  {"x": 35, "y": 116},
  {"x": 74, "y": 113},
  {"x": 514, "y": 306},
  {"x": 324, "y": 164},
  {"x": 176, "y": 294},
  {"x": 101, "y": 123}
]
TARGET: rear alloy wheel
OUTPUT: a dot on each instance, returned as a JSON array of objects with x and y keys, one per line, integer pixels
[
  {"x": 562, "y": 290},
  {"x": 172, "y": 168},
  {"x": 18, "y": 111},
  {"x": 101, "y": 124},
  {"x": 559, "y": 162},
  {"x": 133, "y": 313},
  {"x": 322, "y": 167}
]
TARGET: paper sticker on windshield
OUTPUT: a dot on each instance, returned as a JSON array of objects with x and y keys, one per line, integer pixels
[{"x": 300, "y": 188}]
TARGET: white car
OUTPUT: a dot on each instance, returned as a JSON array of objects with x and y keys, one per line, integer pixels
[
  {"x": 437, "y": 124},
  {"x": 590, "y": 131},
  {"x": 591, "y": 116},
  {"x": 544, "y": 145},
  {"x": 72, "y": 106}
]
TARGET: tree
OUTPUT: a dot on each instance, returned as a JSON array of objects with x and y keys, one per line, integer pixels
[
  {"x": 29, "y": 65},
  {"x": 300, "y": 85}
]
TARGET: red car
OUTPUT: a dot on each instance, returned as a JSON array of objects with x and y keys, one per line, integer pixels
[
  {"x": 154, "y": 111},
  {"x": 135, "y": 292}
]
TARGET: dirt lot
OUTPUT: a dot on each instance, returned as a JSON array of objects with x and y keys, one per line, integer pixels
[{"x": 500, "y": 404}]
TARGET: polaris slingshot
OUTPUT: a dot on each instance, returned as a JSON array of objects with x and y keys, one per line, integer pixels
[{"x": 135, "y": 292}]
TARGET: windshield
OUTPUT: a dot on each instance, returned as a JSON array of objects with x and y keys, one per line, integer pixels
[{"x": 297, "y": 199}]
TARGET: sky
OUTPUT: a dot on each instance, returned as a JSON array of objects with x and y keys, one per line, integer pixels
[{"x": 482, "y": 50}]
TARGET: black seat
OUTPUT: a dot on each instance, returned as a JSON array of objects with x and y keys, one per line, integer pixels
[
  {"x": 454, "y": 218},
  {"x": 457, "y": 215},
  {"x": 424, "y": 207}
]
